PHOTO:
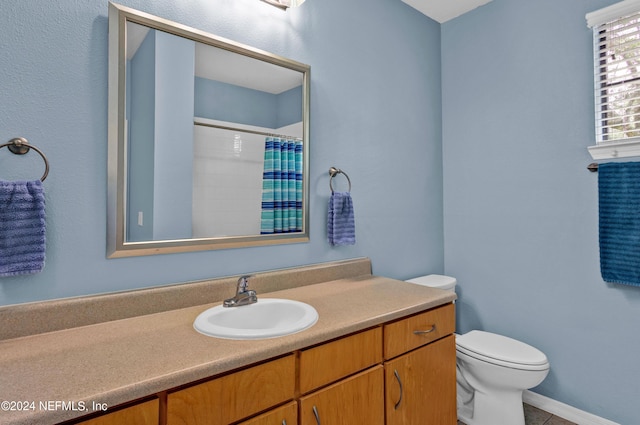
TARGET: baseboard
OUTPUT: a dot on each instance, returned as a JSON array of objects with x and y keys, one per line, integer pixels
[{"x": 562, "y": 410}]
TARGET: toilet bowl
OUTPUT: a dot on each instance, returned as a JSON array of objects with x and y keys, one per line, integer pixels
[
  {"x": 495, "y": 370},
  {"x": 492, "y": 371}
]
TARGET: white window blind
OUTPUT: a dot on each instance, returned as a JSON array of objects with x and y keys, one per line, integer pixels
[
  {"x": 616, "y": 36},
  {"x": 617, "y": 79}
]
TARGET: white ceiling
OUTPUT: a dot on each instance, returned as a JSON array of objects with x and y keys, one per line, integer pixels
[
  {"x": 444, "y": 10},
  {"x": 244, "y": 71}
]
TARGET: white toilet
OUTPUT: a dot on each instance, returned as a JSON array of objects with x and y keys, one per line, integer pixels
[{"x": 493, "y": 370}]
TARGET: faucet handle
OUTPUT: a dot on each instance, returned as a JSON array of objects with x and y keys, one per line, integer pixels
[{"x": 243, "y": 283}]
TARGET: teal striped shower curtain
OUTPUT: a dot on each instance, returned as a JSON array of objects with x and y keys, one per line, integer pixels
[{"x": 282, "y": 186}]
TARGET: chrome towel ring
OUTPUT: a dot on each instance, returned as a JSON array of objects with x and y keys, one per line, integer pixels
[
  {"x": 333, "y": 171},
  {"x": 21, "y": 146}
]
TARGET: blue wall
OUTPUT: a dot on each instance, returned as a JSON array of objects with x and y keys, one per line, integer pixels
[
  {"x": 227, "y": 102},
  {"x": 288, "y": 106},
  {"x": 141, "y": 108},
  {"x": 162, "y": 69},
  {"x": 173, "y": 168},
  {"x": 520, "y": 207},
  {"x": 375, "y": 108}
]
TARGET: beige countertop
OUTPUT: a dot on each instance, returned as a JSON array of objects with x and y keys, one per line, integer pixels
[{"x": 122, "y": 360}]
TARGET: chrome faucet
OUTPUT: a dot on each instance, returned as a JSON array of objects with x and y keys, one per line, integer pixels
[{"x": 244, "y": 295}]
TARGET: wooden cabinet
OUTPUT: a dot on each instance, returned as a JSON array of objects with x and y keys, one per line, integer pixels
[
  {"x": 398, "y": 373},
  {"x": 145, "y": 413},
  {"x": 421, "y": 385},
  {"x": 235, "y": 396},
  {"x": 285, "y": 415},
  {"x": 420, "y": 369},
  {"x": 355, "y": 400}
]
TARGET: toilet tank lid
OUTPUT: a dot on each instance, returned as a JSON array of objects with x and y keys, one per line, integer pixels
[
  {"x": 500, "y": 347},
  {"x": 435, "y": 281}
]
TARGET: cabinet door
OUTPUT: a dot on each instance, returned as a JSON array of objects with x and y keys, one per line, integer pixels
[
  {"x": 355, "y": 400},
  {"x": 140, "y": 414},
  {"x": 285, "y": 415},
  {"x": 421, "y": 386},
  {"x": 233, "y": 397}
]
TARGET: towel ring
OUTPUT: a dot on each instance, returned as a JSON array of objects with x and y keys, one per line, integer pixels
[
  {"x": 21, "y": 146},
  {"x": 333, "y": 171}
]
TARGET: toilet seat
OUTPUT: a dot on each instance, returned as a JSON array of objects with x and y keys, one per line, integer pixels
[{"x": 501, "y": 350}]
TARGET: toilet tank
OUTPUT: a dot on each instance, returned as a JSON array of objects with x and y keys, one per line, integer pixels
[{"x": 439, "y": 281}]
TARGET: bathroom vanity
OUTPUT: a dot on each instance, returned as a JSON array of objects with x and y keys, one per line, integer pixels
[{"x": 382, "y": 352}]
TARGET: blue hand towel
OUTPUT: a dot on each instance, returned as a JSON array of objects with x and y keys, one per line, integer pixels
[
  {"x": 22, "y": 227},
  {"x": 341, "y": 227},
  {"x": 619, "y": 208}
]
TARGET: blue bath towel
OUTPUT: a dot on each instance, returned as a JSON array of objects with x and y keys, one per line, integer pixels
[
  {"x": 22, "y": 227},
  {"x": 341, "y": 227},
  {"x": 619, "y": 208}
]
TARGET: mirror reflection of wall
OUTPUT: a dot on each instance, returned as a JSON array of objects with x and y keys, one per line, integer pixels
[
  {"x": 197, "y": 118},
  {"x": 160, "y": 104}
]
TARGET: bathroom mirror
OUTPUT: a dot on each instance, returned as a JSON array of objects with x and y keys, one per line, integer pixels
[{"x": 208, "y": 141}]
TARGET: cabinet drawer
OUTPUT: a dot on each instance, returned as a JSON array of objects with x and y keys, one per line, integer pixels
[
  {"x": 329, "y": 362},
  {"x": 146, "y": 413},
  {"x": 285, "y": 415},
  {"x": 235, "y": 396},
  {"x": 414, "y": 331}
]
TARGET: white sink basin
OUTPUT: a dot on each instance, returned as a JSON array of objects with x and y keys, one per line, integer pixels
[{"x": 268, "y": 318}]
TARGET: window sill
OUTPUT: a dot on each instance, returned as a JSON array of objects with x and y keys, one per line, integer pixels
[{"x": 615, "y": 150}]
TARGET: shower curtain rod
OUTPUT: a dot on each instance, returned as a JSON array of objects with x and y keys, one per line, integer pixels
[{"x": 222, "y": 127}]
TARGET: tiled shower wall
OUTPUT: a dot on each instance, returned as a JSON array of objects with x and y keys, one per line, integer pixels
[{"x": 227, "y": 179}]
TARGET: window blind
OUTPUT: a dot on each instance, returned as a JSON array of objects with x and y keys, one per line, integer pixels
[{"x": 617, "y": 78}]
